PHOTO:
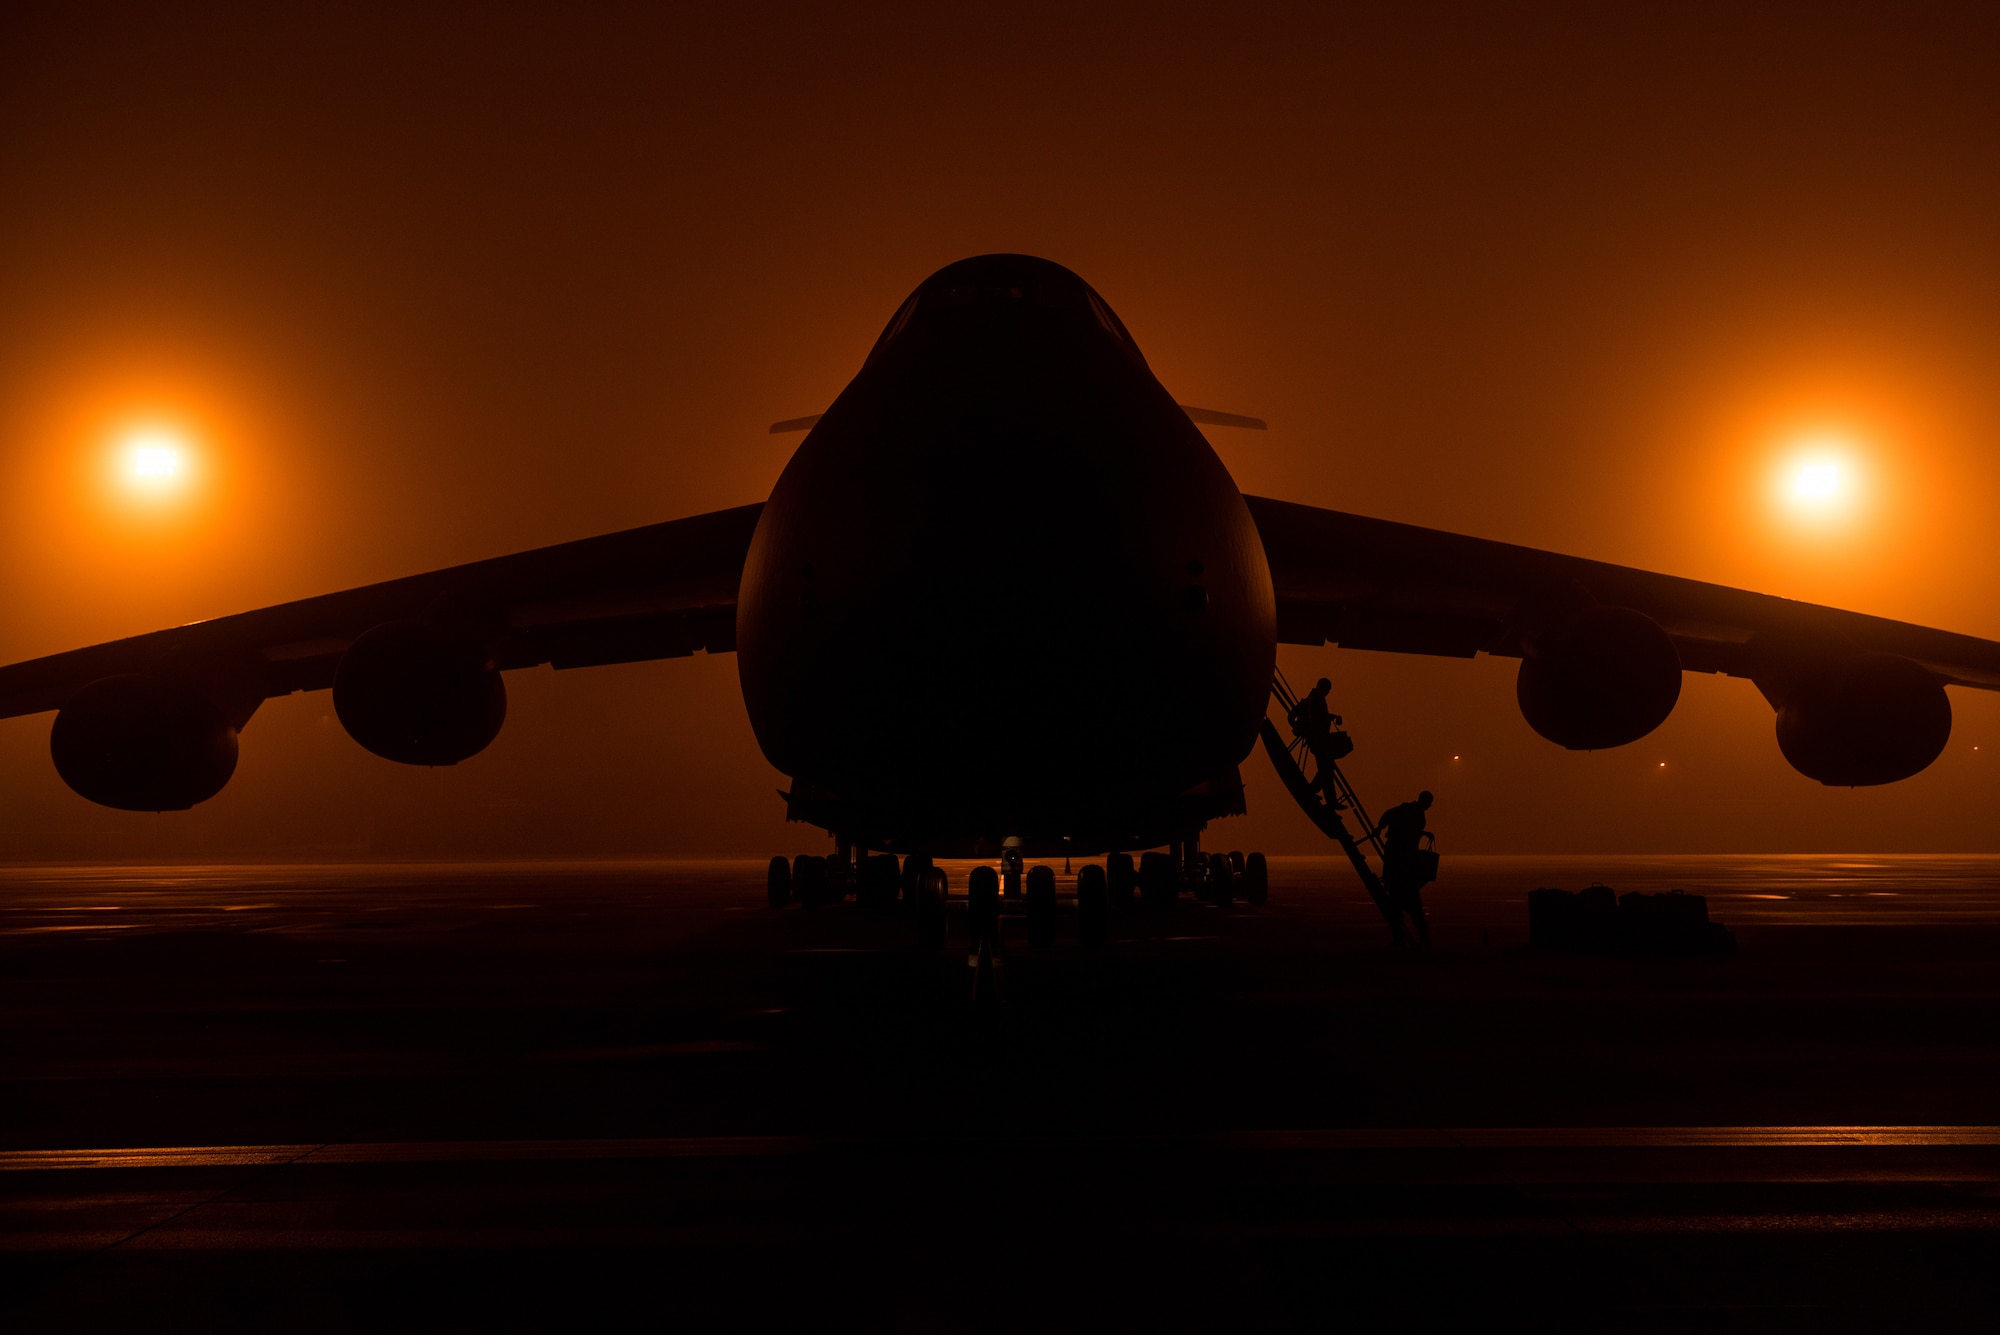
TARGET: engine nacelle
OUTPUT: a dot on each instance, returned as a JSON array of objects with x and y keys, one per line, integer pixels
[
  {"x": 1603, "y": 678},
  {"x": 140, "y": 743},
  {"x": 1863, "y": 720},
  {"x": 412, "y": 693}
]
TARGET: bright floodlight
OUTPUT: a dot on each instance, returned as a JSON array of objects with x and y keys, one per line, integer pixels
[
  {"x": 154, "y": 459},
  {"x": 1818, "y": 481}
]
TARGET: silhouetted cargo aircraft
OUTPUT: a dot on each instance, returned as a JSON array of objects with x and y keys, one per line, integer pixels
[{"x": 1005, "y": 531}]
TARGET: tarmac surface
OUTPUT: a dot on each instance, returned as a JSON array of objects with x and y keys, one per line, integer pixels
[{"x": 524, "y": 1096}]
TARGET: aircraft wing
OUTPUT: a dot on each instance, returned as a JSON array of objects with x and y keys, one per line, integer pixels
[
  {"x": 1366, "y": 583},
  {"x": 662, "y": 591}
]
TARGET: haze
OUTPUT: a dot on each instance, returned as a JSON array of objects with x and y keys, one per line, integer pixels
[{"x": 418, "y": 289}]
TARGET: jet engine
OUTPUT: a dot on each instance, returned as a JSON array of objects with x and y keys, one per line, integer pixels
[
  {"x": 413, "y": 693},
  {"x": 1603, "y": 678},
  {"x": 1863, "y": 720},
  {"x": 140, "y": 743}
]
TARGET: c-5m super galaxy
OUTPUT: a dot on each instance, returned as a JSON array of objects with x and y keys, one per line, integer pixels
[{"x": 1004, "y": 529}]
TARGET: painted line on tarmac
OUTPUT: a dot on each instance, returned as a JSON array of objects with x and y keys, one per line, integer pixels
[{"x": 729, "y": 1147}]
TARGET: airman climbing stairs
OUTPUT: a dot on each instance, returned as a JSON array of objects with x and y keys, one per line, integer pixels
[{"x": 1326, "y": 793}]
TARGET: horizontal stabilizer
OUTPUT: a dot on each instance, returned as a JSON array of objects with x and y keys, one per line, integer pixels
[{"x": 1210, "y": 417}]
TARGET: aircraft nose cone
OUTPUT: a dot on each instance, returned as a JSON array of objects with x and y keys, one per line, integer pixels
[{"x": 991, "y": 578}]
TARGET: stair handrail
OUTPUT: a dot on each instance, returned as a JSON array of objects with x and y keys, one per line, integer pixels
[{"x": 1343, "y": 790}]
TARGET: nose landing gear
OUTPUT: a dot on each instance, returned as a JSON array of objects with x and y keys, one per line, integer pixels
[
  {"x": 1093, "y": 907},
  {"x": 982, "y": 920},
  {"x": 916, "y": 887},
  {"x": 932, "y": 920},
  {"x": 1041, "y": 908}
]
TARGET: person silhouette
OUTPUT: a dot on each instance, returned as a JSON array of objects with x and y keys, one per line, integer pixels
[
  {"x": 1402, "y": 830},
  {"x": 1313, "y": 721}
]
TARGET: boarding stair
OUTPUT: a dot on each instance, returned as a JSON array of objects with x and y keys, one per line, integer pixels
[{"x": 1325, "y": 793}]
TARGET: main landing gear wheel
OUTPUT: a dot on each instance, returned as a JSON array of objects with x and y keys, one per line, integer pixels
[
  {"x": 778, "y": 883},
  {"x": 1093, "y": 907},
  {"x": 1041, "y": 907},
  {"x": 1236, "y": 862},
  {"x": 1120, "y": 880},
  {"x": 914, "y": 867},
  {"x": 1256, "y": 879},
  {"x": 815, "y": 890},
  {"x": 932, "y": 890},
  {"x": 1220, "y": 874},
  {"x": 982, "y": 921}
]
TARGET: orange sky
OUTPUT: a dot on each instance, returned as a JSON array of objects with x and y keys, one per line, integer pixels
[{"x": 430, "y": 288}]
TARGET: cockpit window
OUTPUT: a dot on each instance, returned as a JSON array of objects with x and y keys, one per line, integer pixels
[
  {"x": 992, "y": 287},
  {"x": 897, "y": 322},
  {"x": 1111, "y": 323},
  {"x": 902, "y": 316}
]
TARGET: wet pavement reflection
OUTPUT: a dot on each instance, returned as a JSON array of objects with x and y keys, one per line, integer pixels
[{"x": 504, "y": 1095}]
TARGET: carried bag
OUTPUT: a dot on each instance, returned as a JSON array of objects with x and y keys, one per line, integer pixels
[{"x": 1424, "y": 862}]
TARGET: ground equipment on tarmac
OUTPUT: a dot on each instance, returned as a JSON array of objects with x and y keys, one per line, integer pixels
[{"x": 1597, "y": 920}]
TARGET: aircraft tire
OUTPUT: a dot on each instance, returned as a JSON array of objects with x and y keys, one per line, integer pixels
[
  {"x": 914, "y": 867},
  {"x": 778, "y": 883},
  {"x": 1256, "y": 879},
  {"x": 1236, "y": 861},
  {"x": 1220, "y": 875},
  {"x": 814, "y": 889},
  {"x": 1093, "y": 907},
  {"x": 1041, "y": 907},
  {"x": 1120, "y": 880},
  {"x": 932, "y": 921},
  {"x": 982, "y": 905}
]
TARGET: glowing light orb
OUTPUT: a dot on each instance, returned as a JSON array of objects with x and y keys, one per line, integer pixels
[
  {"x": 153, "y": 461},
  {"x": 1819, "y": 480}
]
